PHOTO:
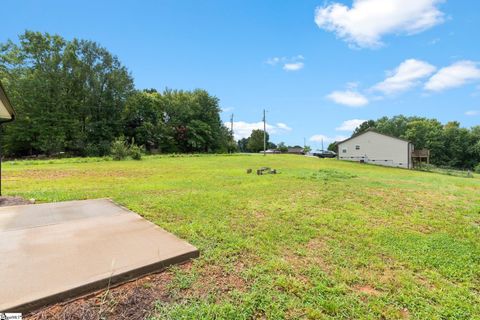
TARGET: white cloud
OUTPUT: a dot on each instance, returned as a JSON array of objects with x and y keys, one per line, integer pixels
[
  {"x": 228, "y": 109},
  {"x": 472, "y": 113},
  {"x": 283, "y": 126},
  {"x": 407, "y": 75},
  {"x": 352, "y": 85},
  {"x": 243, "y": 129},
  {"x": 367, "y": 21},
  {"x": 455, "y": 75},
  {"x": 348, "y": 98},
  {"x": 273, "y": 61},
  {"x": 350, "y": 125},
  {"x": 294, "y": 63},
  {"x": 293, "y": 66},
  {"x": 326, "y": 139}
]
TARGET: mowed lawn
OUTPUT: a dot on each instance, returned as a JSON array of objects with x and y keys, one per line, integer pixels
[{"x": 322, "y": 239}]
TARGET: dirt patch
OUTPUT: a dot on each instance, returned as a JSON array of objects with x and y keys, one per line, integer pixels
[
  {"x": 405, "y": 314},
  {"x": 215, "y": 279},
  {"x": 13, "y": 201},
  {"x": 40, "y": 174},
  {"x": 52, "y": 174},
  {"x": 132, "y": 300},
  {"x": 313, "y": 256},
  {"x": 366, "y": 289},
  {"x": 324, "y": 175}
]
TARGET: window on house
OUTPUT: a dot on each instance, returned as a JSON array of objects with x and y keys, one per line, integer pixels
[
  {"x": 344, "y": 150},
  {"x": 357, "y": 147}
]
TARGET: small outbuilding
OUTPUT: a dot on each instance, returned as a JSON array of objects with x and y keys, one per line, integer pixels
[{"x": 377, "y": 148}]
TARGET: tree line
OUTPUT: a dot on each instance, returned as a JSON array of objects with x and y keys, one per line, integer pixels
[
  {"x": 450, "y": 145},
  {"x": 254, "y": 143},
  {"x": 76, "y": 97}
]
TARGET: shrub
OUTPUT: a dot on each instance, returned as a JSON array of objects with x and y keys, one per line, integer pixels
[
  {"x": 477, "y": 168},
  {"x": 119, "y": 149},
  {"x": 91, "y": 150},
  {"x": 425, "y": 167},
  {"x": 135, "y": 152}
]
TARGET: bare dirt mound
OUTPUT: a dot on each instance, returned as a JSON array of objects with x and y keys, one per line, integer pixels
[{"x": 13, "y": 201}]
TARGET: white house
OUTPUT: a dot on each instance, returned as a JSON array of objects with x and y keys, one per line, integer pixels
[{"x": 376, "y": 148}]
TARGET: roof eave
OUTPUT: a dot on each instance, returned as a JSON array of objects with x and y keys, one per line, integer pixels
[
  {"x": 375, "y": 131},
  {"x": 7, "y": 104}
]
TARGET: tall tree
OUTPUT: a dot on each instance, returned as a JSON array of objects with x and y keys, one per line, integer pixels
[
  {"x": 243, "y": 145},
  {"x": 177, "y": 121},
  {"x": 69, "y": 95},
  {"x": 370, "y": 124},
  {"x": 427, "y": 134},
  {"x": 255, "y": 141},
  {"x": 282, "y": 147},
  {"x": 144, "y": 121}
]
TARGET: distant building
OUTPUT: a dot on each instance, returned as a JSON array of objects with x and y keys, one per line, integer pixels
[
  {"x": 270, "y": 151},
  {"x": 296, "y": 150},
  {"x": 377, "y": 148}
]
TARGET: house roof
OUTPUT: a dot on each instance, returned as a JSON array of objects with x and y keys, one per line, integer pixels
[
  {"x": 6, "y": 110},
  {"x": 371, "y": 130}
]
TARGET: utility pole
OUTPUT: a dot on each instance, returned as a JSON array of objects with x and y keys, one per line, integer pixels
[
  {"x": 232, "y": 136},
  {"x": 264, "y": 134}
]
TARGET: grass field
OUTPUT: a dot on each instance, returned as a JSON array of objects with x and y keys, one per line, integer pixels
[{"x": 321, "y": 239}]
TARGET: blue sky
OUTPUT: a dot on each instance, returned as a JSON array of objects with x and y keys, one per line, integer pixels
[{"x": 317, "y": 67}]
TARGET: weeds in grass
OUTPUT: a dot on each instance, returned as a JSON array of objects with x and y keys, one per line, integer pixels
[
  {"x": 323, "y": 240},
  {"x": 324, "y": 175},
  {"x": 445, "y": 170}
]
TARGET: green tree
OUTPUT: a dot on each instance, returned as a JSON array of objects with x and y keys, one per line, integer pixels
[
  {"x": 475, "y": 145},
  {"x": 242, "y": 145},
  {"x": 144, "y": 122},
  {"x": 69, "y": 95},
  {"x": 228, "y": 143},
  {"x": 332, "y": 147},
  {"x": 193, "y": 120},
  {"x": 449, "y": 144},
  {"x": 370, "y": 124},
  {"x": 255, "y": 141},
  {"x": 282, "y": 147},
  {"x": 427, "y": 134},
  {"x": 271, "y": 145},
  {"x": 457, "y": 145},
  {"x": 177, "y": 121}
]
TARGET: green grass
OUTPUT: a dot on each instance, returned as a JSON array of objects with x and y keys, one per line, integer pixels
[{"x": 322, "y": 239}]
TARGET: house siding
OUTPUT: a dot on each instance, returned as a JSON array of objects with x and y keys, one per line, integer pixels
[{"x": 376, "y": 148}]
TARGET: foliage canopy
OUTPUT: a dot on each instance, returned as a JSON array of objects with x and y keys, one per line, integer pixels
[
  {"x": 449, "y": 144},
  {"x": 76, "y": 97}
]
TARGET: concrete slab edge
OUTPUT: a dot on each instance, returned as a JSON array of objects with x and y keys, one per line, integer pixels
[{"x": 115, "y": 280}]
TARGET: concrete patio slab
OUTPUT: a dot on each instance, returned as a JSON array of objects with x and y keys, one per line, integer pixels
[{"x": 56, "y": 251}]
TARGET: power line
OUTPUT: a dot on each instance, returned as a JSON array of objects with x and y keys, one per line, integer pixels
[{"x": 264, "y": 134}]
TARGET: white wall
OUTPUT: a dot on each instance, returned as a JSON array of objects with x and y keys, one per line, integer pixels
[{"x": 378, "y": 149}]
